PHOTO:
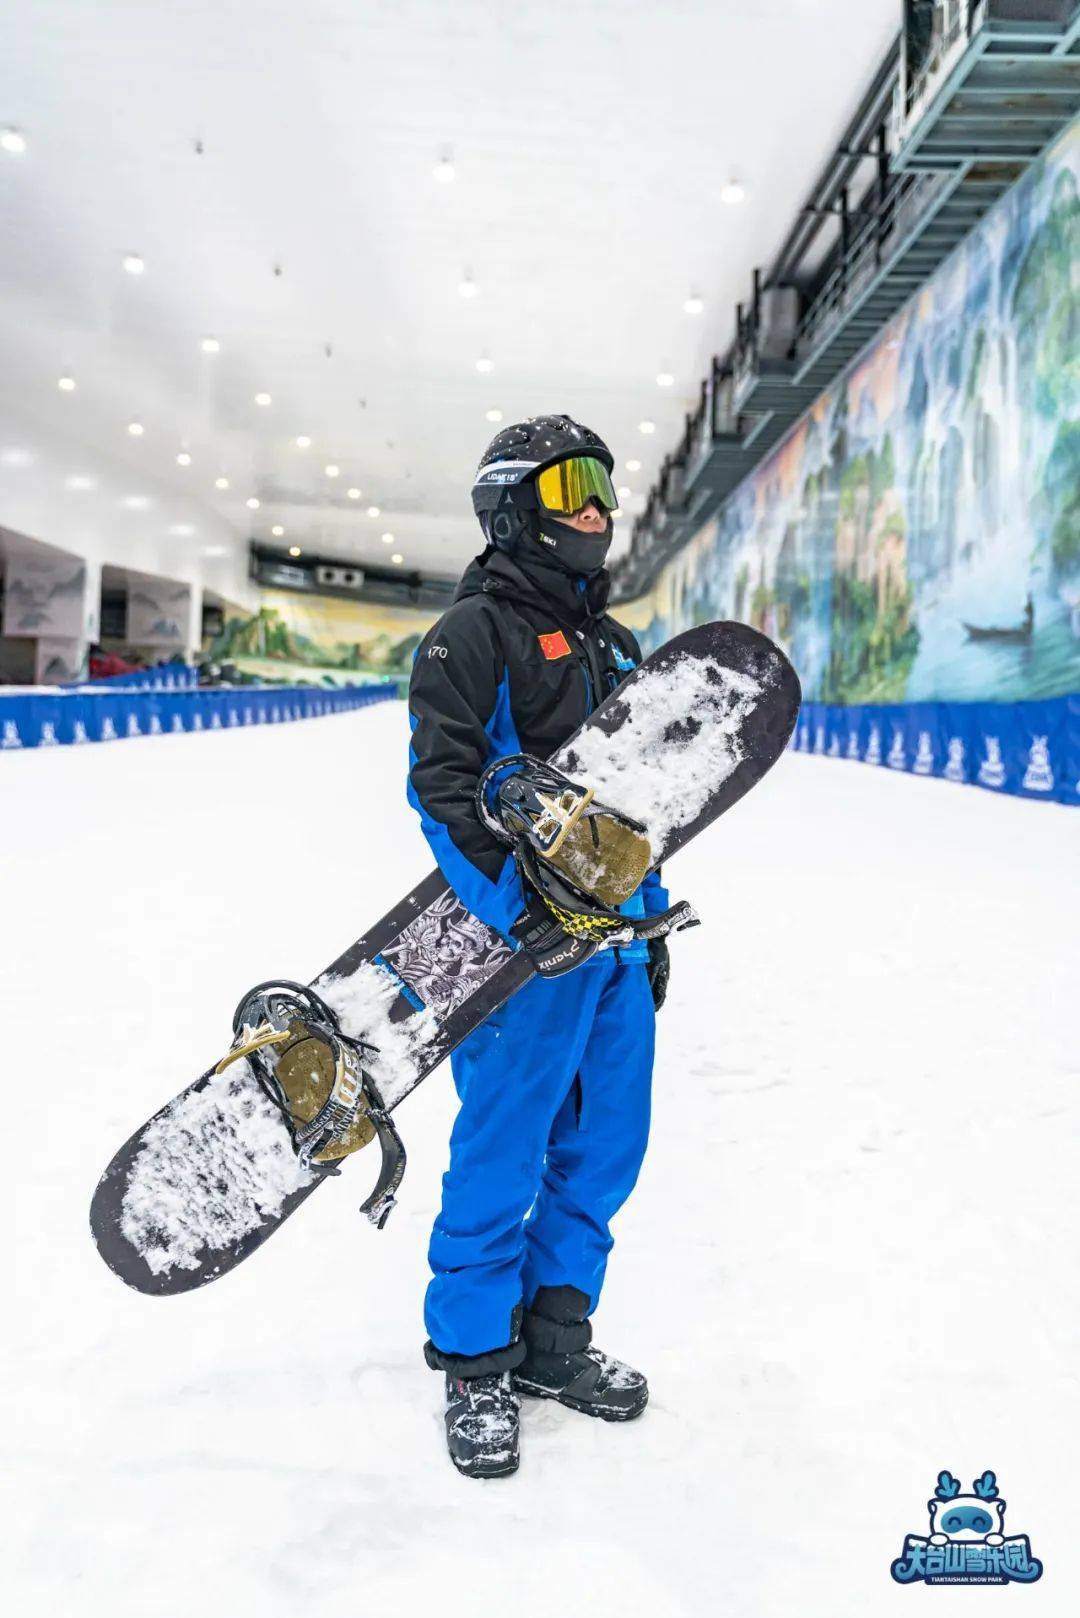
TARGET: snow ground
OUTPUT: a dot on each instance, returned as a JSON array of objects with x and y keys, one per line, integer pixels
[{"x": 850, "y": 1263}]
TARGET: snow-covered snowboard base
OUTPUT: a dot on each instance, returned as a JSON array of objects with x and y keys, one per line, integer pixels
[{"x": 212, "y": 1174}]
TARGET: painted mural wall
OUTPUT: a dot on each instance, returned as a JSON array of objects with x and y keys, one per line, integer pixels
[
  {"x": 917, "y": 535},
  {"x": 326, "y": 638}
]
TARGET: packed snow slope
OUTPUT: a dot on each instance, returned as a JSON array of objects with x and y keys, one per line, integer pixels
[{"x": 851, "y": 1261}]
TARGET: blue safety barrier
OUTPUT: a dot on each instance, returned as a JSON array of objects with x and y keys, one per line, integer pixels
[
  {"x": 46, "y": 718},
  {"x": 1028, "y": 749},
  {"x": 169, "y": 677}
]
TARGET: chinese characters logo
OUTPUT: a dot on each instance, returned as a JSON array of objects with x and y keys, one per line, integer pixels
[{"x": 966, "y": 1543}]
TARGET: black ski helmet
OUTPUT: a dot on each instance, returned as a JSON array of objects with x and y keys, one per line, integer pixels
[{"x": 503, "y": 495}]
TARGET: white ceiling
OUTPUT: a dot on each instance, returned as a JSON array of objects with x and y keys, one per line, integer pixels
[{"x": 590, "y": 143}]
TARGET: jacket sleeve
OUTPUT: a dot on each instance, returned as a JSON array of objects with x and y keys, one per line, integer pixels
[{"x": 457, "y": 689}]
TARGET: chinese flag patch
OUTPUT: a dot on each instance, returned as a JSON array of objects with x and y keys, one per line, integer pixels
[{"x": 554, "y": 645}]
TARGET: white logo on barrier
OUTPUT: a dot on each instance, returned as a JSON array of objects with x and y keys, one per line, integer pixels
[
  {"x": 215, "y": 720},
  {"x": 819, "y": 739},
  {"x": 248, "y": 716},
  {"x": 897, "y": 756},
  {"x": 873, "y": 747},
  {"x": 177, "y": 724},
  {"x": 1039, "y": 777},
  {"x": 196, "y": 720},
  {"x": 234, "y": 717},
  {"x": 275, "y": 714},
  {"x": 78, "y": 733},
  {"x": 834, "y": 746},
  {"x": 155, "y": 725},
  {"x": 853, "y": 744},
  {"x": 992, "y": 768},
  {"x": 11, "y": 734},
  {"x": 954, "y": 769},
  {"x": 924, "y": 755},
  {"x": 48, "y": 734},
  {"x": 108, "y": 730},
  {"x": 133, "y": 726}
]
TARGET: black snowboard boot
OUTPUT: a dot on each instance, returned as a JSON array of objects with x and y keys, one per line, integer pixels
[
  {"x": 482, "y": 1425},
  {"x": 560, "y": 1363}
]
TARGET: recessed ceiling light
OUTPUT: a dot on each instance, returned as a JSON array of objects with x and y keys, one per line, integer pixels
[
  {"x": 467, "y": 287},
  {"x": 388, "y": 539},
  {"x": 136, "y": 429},
  {"x": 493, "y": 415},
  {"x": 374, "y": 511},
  {"x": 354, "y": 494},
  {"x": 694, "y": 305},
  {"x": 484, "y": 365},
  {"x": 294, "y": 550},
  {"x": 277, "y": 530},
  {"x": 252, "y": 503},
  {"x": 303, "y": 442},
  {"x": 135, "y": 502},
  {"x": 215, "y": 550},
  {"x": 633, "y": 466},
  {"x": 263, "y": 399},
  {"x": 444, "y": 169},
  {"x": 183, "y": 459},
  {"x": 732, "y": 193},
  {"x": 397, "y": 559},
  {"x": 332, "y": 471},
  {"x": 80, "y": 481},
  {"x": 664, "y": 379},
  {"x": 15, "y": 457},
  {"x": 646, "y": 426},
  {"x": 13, "y": 140},
  {"x": 182, "y": 530},
  {"x": 624, "y": 493},
  {"x": 210, "y": 345},
  {"x": 133, "y": 263},
  {"x": 66, "y": 384},
  {"x": 221, "y": 483}
]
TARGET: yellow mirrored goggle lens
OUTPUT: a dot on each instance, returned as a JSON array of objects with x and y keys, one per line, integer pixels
[{"x": 566, "y": 486}]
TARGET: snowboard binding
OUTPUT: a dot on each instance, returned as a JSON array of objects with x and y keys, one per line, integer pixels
[
  {"x": 525, "y": 802},
  {"x": 582, "y": 917},
  {"x": 314, "y": 1075},
  {"x": 582, "y": 858}
]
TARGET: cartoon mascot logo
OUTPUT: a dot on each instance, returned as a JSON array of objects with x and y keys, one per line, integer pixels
[{"x": 967, "y": 1543}]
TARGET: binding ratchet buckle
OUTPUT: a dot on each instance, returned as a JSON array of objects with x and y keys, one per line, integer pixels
[{"x": 313, "y": 1073}]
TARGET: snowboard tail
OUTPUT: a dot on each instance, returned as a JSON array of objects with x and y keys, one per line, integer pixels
[{"x": 217, "y": 1170}]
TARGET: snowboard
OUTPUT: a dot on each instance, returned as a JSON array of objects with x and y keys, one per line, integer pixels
[{"x": 203, "y": 1184}]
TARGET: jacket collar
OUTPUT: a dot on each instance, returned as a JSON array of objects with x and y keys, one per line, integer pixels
[{"x": 538, "y": 583}]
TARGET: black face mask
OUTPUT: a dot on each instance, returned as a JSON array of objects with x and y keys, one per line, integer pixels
[{"x": 573, "y": 550}]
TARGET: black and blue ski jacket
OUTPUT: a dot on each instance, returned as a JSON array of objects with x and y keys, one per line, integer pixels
[{"x": 515, "y": 665}]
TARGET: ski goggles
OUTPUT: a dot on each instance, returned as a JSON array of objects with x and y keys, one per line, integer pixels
[{"x": 565, "y": 487}]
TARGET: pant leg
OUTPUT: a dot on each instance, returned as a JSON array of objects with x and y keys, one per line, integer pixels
[
  {"x": 512, "y": 1076},
  {"x": 597, "y": 1143}
]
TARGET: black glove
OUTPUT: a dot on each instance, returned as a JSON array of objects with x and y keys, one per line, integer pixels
[
  {"x": 659, "y": 970},
  {"x": 550, "y": 948}
]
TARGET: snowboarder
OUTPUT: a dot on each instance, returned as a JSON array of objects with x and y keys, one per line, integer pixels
[{"x": 554, "y": 1088}]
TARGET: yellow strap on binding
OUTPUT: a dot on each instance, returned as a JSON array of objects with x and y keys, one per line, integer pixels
[{"x": 579, "y": 926}]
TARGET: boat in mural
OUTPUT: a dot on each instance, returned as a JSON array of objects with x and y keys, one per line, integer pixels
[{"x": 1021, "y": 632}]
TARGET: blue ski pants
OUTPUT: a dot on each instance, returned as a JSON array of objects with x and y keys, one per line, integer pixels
[{"x": 546, "y": 1147}]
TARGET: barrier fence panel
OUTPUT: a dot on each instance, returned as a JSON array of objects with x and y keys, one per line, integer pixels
[
  {"x": 47, "y": 717},
  {"x": 170, "y": 677},
  {"x": 1027, "y": 749}
]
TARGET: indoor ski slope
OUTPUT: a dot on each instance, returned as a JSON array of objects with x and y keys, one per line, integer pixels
[{"x": 850, "y": 1262}]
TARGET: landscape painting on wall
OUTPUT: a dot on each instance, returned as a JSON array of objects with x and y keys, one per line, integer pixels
[
  {"x": 917, "y": 534},
  {"x": 321, "y": 638}
]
